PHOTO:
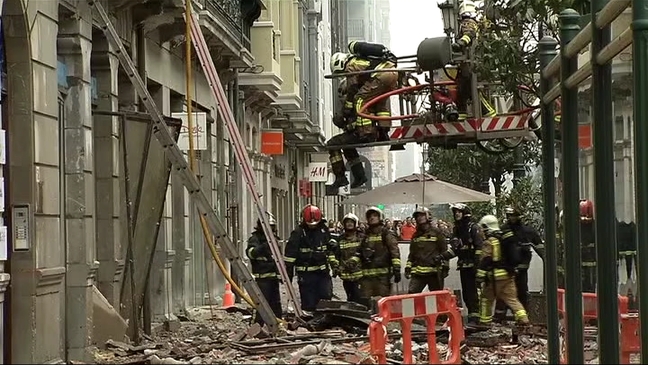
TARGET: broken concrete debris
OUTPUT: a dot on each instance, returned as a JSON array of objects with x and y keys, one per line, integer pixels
[{"x": 215, "y": 336}]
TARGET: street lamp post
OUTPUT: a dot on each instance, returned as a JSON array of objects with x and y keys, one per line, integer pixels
[{"x": 450, "y": 17}]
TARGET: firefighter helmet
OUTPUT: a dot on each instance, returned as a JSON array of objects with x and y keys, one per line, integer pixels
[
  {"x": 375, "y": 210},
  {"x": 339, "y": 61},
  {"x": 489, "y": 223},
  {"x": 421, "y": 210},
  {"x": 463, "y": 208},
  {"x": 512, "y": 211},
  {"x": 270, "y": 218},
  {"x": 311, "y": 215},
  {"x": 467, "y": 8},
  {"x": 586, "y": 209},
  {"x": 352, "y": 217}
]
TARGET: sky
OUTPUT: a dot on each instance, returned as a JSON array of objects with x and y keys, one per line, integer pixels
[{"x": 411, "y": 22}]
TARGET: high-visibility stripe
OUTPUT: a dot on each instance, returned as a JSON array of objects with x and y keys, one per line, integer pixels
[
  {"x": 431, "y": 304},
  {"x": 408, "y": 307}
]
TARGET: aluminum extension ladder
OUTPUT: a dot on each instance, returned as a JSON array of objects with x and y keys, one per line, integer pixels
[{"x": 189, "y": 180}]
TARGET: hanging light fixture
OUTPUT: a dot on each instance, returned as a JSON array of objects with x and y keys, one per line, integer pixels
[{"x": 450, "y": 16}]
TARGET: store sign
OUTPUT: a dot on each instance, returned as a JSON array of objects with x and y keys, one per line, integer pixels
[
  {"x": 272, "y": 142},
  {"x": 584, "y": 136},
  {"x": 199, "y": 133},
  {"x": 317, "y": 172}
]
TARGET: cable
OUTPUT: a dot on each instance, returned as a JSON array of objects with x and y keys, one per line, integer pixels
[{"x": 209, "y": 240}]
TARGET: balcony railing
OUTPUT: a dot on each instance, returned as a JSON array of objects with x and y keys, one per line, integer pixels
[{"x": 234, "y": 17}]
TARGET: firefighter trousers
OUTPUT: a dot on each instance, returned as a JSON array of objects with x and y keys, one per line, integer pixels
[
  {"x": 589, "y": 279},
  {"x": 375, "y": 286},
  {"x": 269, "y": 288},
  {"x": 522, "y": 287},
  {"x": 313, "y": 287},
  {"x": 468, "y": 278},
  {"x": 503, "y": 289},
  {"x": 352, "y": 290},
  {"x": 417, "y": 283},
  {"x": 345, "y": 139}
]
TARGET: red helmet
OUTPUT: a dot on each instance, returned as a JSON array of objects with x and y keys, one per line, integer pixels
[
  {"x": 311, "y": 215},
  {"x": 586, "y": 209}
]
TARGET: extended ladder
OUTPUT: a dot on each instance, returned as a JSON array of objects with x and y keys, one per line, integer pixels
[
  {"x": 175, "y": 156},
  {"x": 202, "y": 51}
]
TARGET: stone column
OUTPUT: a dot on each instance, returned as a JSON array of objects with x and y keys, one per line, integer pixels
[
  {"x": 37, "y": 302},
  {"x": 75, "y": 45},
  {"x": 160, "y": 284},
  {"x": 178, "y": 238},
  {"x": 105, "y": 66}
]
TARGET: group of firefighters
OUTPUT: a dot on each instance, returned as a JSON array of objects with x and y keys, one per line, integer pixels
[{"x": 492, "y": 260}]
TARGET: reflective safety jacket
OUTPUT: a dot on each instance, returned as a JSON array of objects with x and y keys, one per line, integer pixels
[
  {"x": 425, "y": 246},
  {"x": 588, "y": 243},
  {"x": 379, "y": 252},
  {"x": 263, "y": 266},
  {"x": 493, "y": 261},
  {"x": 309, "y": 250},
  {"x": 355, "y": 82},
  {"x": 346, "y": 254},
  {"x": 468, "y": 244}
]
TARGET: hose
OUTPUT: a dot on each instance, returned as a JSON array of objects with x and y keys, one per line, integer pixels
[{"x": 209, "y": 240}]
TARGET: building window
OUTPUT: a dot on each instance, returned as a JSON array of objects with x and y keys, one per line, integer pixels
[
  {"x": 356, "y": 28},
  {"x": 619, "y": 128}
]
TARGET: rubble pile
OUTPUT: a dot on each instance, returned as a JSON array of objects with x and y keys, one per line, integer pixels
[{"x": 226, "y": 337}]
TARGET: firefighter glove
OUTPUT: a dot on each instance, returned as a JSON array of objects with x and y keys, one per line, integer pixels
[
  {"x": 336, "y": 273},
  {"x": 456, "y": 47},
  {"x": 437, "y": 260},
  {"x": 397, "y": 276},
  {"x": 339, "y": 121},
  {"x": 408, "y": 272}
]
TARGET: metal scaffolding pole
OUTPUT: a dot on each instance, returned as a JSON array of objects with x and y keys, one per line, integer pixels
[
  {"x": 640, "y": 76},
  {"x": 573, "y": 286},
  {"x": 606, "y": 248},
  {"x": 547, "y": 48}
]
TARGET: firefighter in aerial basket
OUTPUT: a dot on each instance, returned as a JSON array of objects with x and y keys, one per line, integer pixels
[
  {"x": 468, "y": 31},
  {"x": 360, "y": 89}
]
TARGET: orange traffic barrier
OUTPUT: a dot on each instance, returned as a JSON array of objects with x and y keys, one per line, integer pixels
[
  {"x": 630, "y": 343},
  {"x": 629, "y": 323},
  {"x": 404, "y": 308},
  {"x": 228, "y": 296}
]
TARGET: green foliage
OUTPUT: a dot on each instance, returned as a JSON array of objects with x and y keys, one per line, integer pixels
[
  {"x": 526, "y": 196},
  {"x": 469, "y": 166},
  {"x": 507, "y": 47}
]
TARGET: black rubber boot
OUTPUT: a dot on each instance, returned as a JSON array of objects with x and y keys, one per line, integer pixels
[
  {"x": 340, "y": 176},
  {"x": 359, "y": 177}
]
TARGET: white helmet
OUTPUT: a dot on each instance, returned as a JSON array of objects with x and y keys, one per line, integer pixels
[
  {"x": 338, "y": 62},
  {"x": 467, "y": 8},
  {"x": 352, "y": 217},
  {"x": 489, "y": 223},
  {"x": 376, "y": 210},
  {"x": 270, "y": 218}
]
